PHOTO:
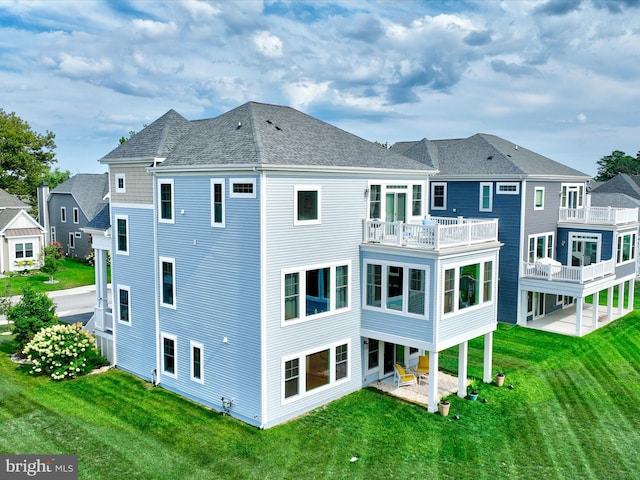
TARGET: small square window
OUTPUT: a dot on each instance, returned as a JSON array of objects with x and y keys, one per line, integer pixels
[
  {"x": 121, "y": 186},
  {"x": 307, "y": 205},
  {"x": 438, "y": 196}
]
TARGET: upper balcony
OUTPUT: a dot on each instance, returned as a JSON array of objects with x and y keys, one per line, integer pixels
[
  {"x": 599, "y": 215},
  {"x": 433, "y": 234},
  {"x": 552, "y": 270}
]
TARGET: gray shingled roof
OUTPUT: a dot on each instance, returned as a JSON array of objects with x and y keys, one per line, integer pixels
[
  {"x": 10, "y": 201},
  {"x": 102, "y": 221},
  {"x": 621, "y": 183},
  {"x": 155, "y": 140},
  {"x": 261, "y": 134},
  {"x": 484, "y": 154},
  {"x": 88, "y": 190},
  {"x": 424, "y": 151}
]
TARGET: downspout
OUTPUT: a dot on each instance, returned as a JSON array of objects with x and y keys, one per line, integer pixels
[
  {"x": 156, "y": 377},
  {"x": 263, "y": 298},
  {"x": 523, "y": 204}
]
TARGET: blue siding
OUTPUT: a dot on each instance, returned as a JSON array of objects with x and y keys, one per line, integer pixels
[
  {"x": 135, "y": 343},
  {"x": 217, "y": 278},
  {"x": 564, "y": 251}
]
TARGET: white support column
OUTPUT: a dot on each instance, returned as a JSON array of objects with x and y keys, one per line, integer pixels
[
  {"x": 631, "y": 295},
  {"x": 594, "y": 313},
  {"x": 522, "y": 313},
  {"x": 620, "y": 297},
  {"x": 463, "y": 349},
  {"x": 434, "y": 397},
  {"x": 610, "y": 303},
  {"x": 579, "y": 303},
  {"x": 487, "y": 376}
]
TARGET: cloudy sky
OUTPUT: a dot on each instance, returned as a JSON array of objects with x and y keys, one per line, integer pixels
[{"x": 560, "y": 77}]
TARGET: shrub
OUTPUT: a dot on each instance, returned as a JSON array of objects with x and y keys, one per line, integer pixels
[
  {"x": 34, "y": 311},
  {"x": 63, "y": 351}
]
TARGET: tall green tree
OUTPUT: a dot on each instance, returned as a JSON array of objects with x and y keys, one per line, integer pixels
[
  {"x": 55, "y": 177},
  {"x": 25, "y": 156},
  {"x": 618, "y": 162}
]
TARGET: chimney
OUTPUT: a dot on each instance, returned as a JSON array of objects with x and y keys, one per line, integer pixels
[{"x": 43, "y": 207}]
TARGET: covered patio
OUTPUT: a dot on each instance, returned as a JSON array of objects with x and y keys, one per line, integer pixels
[
  {"x": 419, "y": 393},
  {"x": 564, "y": 321}
]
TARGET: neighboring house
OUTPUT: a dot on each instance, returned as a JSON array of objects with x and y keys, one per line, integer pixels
[
  {"x": 71, "y": 205},
  {"x": 559, "y": 248},
  {"x": 22, "y": 237},
  {"x": 265, "y": 263}
]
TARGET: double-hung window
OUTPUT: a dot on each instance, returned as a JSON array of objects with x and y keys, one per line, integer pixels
[
  {"x": 166, "y": 194},
  {"x": 169, "y": 353},
  {"x": 168, "y": 282},
  {"x": 124, "y": 304},
  {"x": 76, "y": 215},
  {"x": 24, "y": 250},
  {"x": 416, "y": 202},
  {"x": 375, "y": 201},
  {"x": 63, "y": 214},
  {"x": 197, "y": 362},
  {"x": 438, "y": 196},
  {"x": 217, "y": 203},
  {"x": 121, "y": 186},
  {"x": 122, "y": 234},
  {"x": 315, "y": 291},
  {"x": 396, "y": 287},
  {"x": 538, "y": 200},
  {"x": 306, "y": 203}
]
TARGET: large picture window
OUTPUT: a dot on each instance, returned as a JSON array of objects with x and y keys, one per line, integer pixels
[
  {"x": 401, "y": 288},
  {"x": 470, "y": 284},
  {"x": 315, "y": 291},
  {"x": 307, "y": 372}
]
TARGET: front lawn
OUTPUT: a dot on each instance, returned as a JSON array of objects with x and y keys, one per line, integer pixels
[
  {"x": 72, "y": 273},
  {"x": 572, "y": 414}
]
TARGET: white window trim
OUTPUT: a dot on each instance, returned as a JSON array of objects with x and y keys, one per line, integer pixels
[
  {"x": 169, "y": 336},
  {"x": 546, "y": 235},
  {"x": 535, "y": 191},
  {"x": 63, "y": 214},
  {"x": 302, "y": 317},
  {"x": 126, "y": 219},
  {"x": 307, "y": 188},
  {"x": 633, "y": 245},
  {"x": 172, "y": 261},
  {"x": 128, "y": 289},
  {"x": 405, "y": 288},
  {"x": 507, "y": 184},
  {"x": 456, "y": 289},
  {"x": 594, "y": 237},
  {"x": 166, "y": 181},
  {"x": 121, "y": 176},
  {"x": 217, "y": 181},
  {"x": 76, "y": 215},
  {"x": 233, "y": 194},
  {"x": 72, "y": 241},
  {"x": 433, "y": 185},
  {"x": 78, "y": 234},
  {"x": 302, "y": 364},
  {"x": 199, "y": 345},
  {"x": 490, "y": 207}
]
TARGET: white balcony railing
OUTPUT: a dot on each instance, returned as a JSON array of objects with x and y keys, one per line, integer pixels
[
  {"x": 435, "y": 233},
  {"x": 564, "y": 273},
  {"x": 599, "y": 215}
]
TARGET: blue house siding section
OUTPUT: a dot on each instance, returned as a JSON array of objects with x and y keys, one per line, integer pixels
[
  {"x": 334, "y": 241},
  {"x": 564, "y": 245},
  {"x": 392, "y": 323},
  {"x": 135, "y": 342},
  {"x": 463, "y": 199},
  {"x": 224, "y": 265}
]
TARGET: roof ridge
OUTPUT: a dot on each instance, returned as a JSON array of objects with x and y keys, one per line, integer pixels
[{"x": 257, "y": 139}]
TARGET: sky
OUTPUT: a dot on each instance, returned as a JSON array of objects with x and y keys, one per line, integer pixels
[{"x": 559, "y": 77}]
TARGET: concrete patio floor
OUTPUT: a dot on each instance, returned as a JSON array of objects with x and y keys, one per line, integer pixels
[
  {"x": 418, "y": 394},
  {"x": 564, "y": 321}
]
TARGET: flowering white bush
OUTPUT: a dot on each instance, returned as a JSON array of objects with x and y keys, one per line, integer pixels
[{"x": 63, "y": 351}]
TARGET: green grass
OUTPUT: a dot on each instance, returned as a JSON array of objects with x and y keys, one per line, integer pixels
[
  {"x": 573, "y": 414},
  {"x": 72, "y": 273}
]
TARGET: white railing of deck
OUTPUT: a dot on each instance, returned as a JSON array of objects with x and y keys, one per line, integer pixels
[
  {"x": 564, "y": 273},
  {"x": 599, "y": 215},
  {"x": 437, "y": 232}
]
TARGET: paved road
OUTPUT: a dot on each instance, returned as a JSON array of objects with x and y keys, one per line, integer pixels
[{"x": 73, "y": 305}]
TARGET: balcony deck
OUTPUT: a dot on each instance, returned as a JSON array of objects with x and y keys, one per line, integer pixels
[
  {"x": 564, "y": 273},
  {"x": 433, "y": 234},
  {"x": 599, "y": 215}
]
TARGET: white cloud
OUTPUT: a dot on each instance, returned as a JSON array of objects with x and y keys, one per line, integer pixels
[
  {"x": 304, "y": 92},
  {"x": 81, "y": 67},
  {"x": 267, "y": 44},
  {"x": 582, "y": 118},
  {"x": 152, "y": 29}
]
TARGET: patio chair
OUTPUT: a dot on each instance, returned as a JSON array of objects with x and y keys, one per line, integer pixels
[
  {"x": 403, "y": 378},
  {"x": 422, "y": 369}
]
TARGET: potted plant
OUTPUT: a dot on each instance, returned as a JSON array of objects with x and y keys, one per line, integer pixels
[
  {"x": 443, "y": 406},
  {"x": 473, "y": 389},
  {"x": 500, "y": 378}
]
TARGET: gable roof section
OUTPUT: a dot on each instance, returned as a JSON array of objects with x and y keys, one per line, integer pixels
[
  {"x": 8, "y": 200},
  {"x": 8, "y": 217},
  {"x": 488, "y": 155},
  {"x": 88, "y": 190},
  {"x": 269, "y": 135},
  {"x": 423, "y": 151},
  {"x": 102, "y": 221},
  {"x": 616, "y": 200},
  {"x": 154, "y": 141}
]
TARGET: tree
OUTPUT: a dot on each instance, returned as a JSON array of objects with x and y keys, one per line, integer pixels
[
  {"x": 618, "y": 162},
  {"x": 25, "y": 156},
  {"x": 33, "y": 312},
  {"x": 51, "y": 259},
  {"x": 55, "y": 177}
]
